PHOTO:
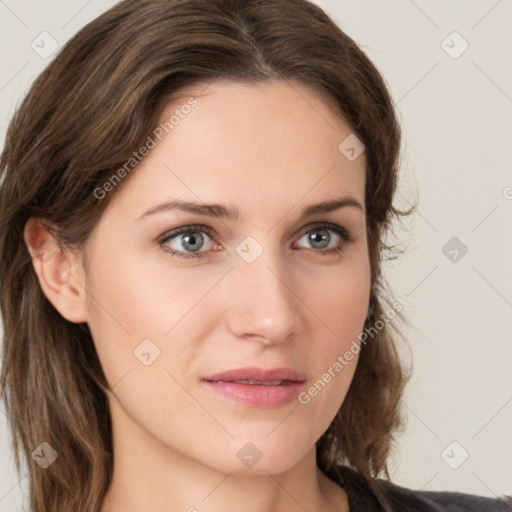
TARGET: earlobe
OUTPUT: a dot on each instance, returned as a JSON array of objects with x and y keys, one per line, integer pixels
[{"x": 59, "y": 271}]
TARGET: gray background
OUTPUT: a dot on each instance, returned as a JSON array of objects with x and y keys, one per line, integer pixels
[{"x": 456, "y": 111}]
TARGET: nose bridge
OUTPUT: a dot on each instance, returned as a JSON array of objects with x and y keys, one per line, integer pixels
[{"x": 265, "y": 305}]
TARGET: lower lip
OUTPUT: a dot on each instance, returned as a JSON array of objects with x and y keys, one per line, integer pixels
[{"x": 257, "y": 395}]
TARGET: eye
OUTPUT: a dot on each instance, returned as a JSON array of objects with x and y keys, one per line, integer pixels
[
  {"x": 320, "y": 237},
  {"x": 187, "y": 238},
  {"x": 190, "y": 241}
]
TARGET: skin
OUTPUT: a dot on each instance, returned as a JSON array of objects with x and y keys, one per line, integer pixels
[{"x": 270, "y": 150}]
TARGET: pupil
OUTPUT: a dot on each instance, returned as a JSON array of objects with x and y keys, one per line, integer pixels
[
  {"x": 190, "y": 241},
  {"x": 319, "y": 238}
]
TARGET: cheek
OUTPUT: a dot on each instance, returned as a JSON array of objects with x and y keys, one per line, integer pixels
[
  {"x": 342, "y": 299},
  {"x": 342, "y": 306},
  {"x": 131, "y": 303}
]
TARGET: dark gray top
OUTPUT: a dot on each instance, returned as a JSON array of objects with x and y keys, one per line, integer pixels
[{"x": 363, "y": 499}]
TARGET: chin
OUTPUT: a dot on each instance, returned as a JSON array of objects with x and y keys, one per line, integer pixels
[
  {"x": 271, "y": 465},
  {"x": 259, "y": 457}
]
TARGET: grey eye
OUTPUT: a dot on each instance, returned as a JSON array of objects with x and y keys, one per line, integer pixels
[
  {"x": 190, "y": 241},
  {"x": 318, "y": 238}
]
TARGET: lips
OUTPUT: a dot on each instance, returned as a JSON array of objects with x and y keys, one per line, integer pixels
[
  {"x": 254, "y": 375},
  {"x": 256, "y": 387}
]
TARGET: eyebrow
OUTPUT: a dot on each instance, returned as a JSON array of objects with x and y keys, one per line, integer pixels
[{"x": 232, "y": 213}]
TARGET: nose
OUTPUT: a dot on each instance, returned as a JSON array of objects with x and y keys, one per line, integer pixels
[{"x": 264, "y": 304}]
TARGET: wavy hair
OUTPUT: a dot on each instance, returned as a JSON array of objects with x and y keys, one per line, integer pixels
[{"x": 82, "y": 119}]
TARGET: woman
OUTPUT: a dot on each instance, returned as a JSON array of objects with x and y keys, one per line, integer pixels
[{"x": 193, "y": 209}]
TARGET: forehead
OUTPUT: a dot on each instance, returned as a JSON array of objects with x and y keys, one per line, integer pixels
[
  {"x": 271, "y": 143},
  {"x": 273, "y": 115}
]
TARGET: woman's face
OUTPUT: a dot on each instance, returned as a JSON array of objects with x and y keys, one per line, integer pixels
[{"x": 264, "y": 289}]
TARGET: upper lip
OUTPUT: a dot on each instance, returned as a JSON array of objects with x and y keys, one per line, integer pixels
[{"x": 257, "y": 374}]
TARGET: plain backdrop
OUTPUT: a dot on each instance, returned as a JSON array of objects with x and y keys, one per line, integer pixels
[{"x": 448, "y": 66}]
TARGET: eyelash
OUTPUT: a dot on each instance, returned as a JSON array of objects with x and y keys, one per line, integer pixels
[{"x": 342, "y": 232}]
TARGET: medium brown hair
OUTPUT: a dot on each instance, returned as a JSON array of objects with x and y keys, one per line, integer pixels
[{"x": 81, "y": 121}]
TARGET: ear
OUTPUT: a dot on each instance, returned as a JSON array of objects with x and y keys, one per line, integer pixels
[{"x": 59, "y": 270}]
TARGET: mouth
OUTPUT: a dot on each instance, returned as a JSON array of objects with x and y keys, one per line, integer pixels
[
  {"x": 259, "y": 382},
  {"x": 256, "y": 387}
]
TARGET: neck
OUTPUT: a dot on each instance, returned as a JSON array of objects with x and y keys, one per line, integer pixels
[{"x": 150, "y": 476}]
